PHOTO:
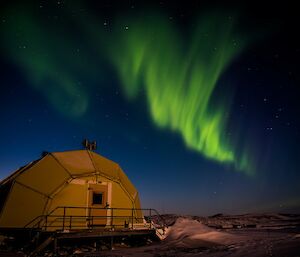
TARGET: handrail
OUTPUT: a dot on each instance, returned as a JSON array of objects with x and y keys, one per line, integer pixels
[
  {"x": 41, "y": 221},
  {"x": 157, "y": 214},
  {"x": 80, "y": 218}
]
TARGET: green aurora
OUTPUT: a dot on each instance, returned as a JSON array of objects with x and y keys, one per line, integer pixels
[
  {"x": 178, "y": 71},
  {"x": 180, "y": 76},
  {"x": 48, "y": 58}
]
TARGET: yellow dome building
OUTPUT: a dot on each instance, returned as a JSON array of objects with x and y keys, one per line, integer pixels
[{"x": 69, "y": 190}]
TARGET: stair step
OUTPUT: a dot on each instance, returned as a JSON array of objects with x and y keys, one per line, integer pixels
[{"x": 42, "y": 246}]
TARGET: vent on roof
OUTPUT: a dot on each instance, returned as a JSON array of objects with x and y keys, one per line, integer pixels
[
  {"x": 89, "y": 145},
  {"x": 44, "y": 153}
]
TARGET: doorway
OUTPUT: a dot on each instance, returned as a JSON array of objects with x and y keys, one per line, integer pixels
[{"x": 97, "y": 203}]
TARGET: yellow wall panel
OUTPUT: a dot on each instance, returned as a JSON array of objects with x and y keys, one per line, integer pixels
[
  {"x": 71, "y": 195},
  {"x": 76, "y": 162},
  {"x": 138, "y": 213},
  {"x": 120, "y": 200},
  {"x": 105, "y": 165},
  {"x": 126, "y": 183},
  {"x": 45, "y": 176},
  {"x": 22, "y": 206}
]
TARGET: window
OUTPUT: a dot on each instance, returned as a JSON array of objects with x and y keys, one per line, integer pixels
[{"x": 97, "y": 198}]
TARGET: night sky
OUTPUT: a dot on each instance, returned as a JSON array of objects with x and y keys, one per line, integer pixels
[{"x": 197, "y": 101}]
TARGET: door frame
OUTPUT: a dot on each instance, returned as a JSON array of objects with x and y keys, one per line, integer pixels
[{"x": 97, "y": 188}]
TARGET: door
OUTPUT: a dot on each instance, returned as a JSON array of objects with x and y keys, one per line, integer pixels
[{"x": 97, "y": 204}]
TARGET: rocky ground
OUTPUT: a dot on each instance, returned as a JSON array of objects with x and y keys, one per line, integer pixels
[{"x": 251, "y": 235}]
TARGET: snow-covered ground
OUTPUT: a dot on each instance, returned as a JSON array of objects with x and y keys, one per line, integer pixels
[
  {"x": 254, "y": 235},
  {"x": 274, "y": 235}
]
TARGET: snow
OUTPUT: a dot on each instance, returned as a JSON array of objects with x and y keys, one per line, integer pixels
[{"x": 191, "y": 233}]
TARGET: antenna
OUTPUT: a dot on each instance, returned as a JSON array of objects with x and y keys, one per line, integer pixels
[{"x": 89, "y": 145}]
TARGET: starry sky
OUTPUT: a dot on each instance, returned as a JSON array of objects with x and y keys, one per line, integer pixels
[{"x": 196, "y": 100}]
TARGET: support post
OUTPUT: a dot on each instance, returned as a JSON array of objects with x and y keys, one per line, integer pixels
[
  {"x": 111, "y": 243},
  {"x": 132, "y": 218},
  {"x": 46, "y": 221},
  {"x": 64, "y": 218},
  {"x": 55, "y": 245},
  {"x": 112, "y": 218},
  {"x": 70, "y": 222},
  {"x": 89, "y": 217}
]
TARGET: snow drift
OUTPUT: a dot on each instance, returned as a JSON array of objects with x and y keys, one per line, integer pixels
[{"x": 189, "y": 233}]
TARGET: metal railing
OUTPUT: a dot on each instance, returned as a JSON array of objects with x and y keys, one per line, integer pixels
[{"x": 78, "y": 218}]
